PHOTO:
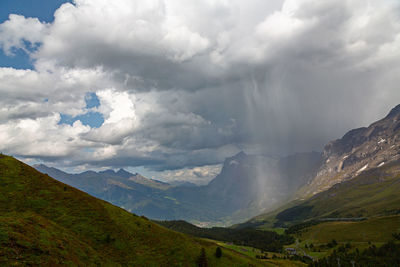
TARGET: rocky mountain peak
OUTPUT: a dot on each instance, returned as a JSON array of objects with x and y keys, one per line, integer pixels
[
  {"x": 123, "y": 173},
  {"x": 394, "y": 112}
]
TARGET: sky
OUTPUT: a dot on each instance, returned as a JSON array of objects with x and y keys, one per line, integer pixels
[{"x": 171, "y": 87}]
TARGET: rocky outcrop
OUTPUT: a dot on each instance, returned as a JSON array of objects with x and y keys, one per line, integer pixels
[{"x": 357, "y": 151}]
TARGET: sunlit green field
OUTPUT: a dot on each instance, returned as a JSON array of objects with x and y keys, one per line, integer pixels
[
  {"x": 357, "y": 235},
  {"x": 378, "y": 229}
]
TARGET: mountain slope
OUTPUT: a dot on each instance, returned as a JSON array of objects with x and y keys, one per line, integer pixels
[
  {"x": 377, "y": 229},
  {"x": 358, "y": 175},
  {"x": 44, "y": 222},
  {"x": 139, "y": 179},
  {"x": 133, "y": 192},
  {"x": 372, "y": 193},
  {"x": 357, "y": 151}
]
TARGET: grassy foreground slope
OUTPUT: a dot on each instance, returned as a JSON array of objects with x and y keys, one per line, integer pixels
[{"x": 47, "y": 223}]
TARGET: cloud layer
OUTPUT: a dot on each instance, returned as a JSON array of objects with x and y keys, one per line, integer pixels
[{"x": 183, "y": 85}]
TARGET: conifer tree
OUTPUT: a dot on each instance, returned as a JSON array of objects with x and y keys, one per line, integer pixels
[
  {"x": 202, "y": 259},
  {"x": 218, "y": 252}
]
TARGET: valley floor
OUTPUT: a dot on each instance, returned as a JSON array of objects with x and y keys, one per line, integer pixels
[{"x": 325, "y": 239}]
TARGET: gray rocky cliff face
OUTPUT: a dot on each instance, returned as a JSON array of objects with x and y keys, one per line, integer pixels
[{"x": 357, "y": 151}]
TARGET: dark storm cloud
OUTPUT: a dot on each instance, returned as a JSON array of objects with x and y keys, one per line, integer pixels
[{"x": 178, "y": 90}]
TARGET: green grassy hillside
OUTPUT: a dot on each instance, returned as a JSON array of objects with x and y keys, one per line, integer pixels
[
  {"x": 370, "y": 242},
  {"x": 379, "y": 229},
  {"x": 47, "y": 223}
]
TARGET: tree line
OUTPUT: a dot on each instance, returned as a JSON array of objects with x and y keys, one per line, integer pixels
[
  {"x": 386, "y": 255},
  {"x": 263, "y": 240}
]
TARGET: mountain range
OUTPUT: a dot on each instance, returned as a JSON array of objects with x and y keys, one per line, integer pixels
[{"x": 246, "y": 186}]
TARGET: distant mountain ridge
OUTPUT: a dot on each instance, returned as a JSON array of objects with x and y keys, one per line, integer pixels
[
  {"x": 133, "y": 192},
  {"x": 246, "y": 186},
  {"x": 121, "y": 173}
]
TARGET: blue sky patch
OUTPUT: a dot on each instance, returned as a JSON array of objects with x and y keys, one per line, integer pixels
[
  {"x": 92, "y": 101},
  {"x": 92, "y": 119},
  {"x": 43, "y": 10},
  {"x": 20, "y": 60}
]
